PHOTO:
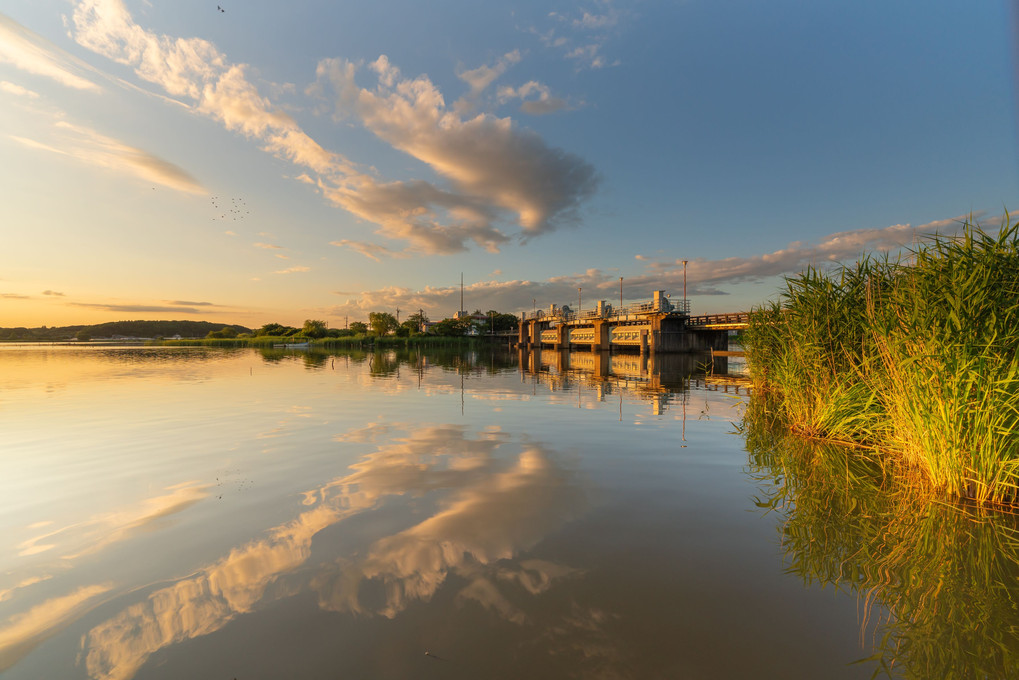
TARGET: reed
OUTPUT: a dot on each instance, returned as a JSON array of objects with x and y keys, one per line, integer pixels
[{"x": 913, "y": 359}]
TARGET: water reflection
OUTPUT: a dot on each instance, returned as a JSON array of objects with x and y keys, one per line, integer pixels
[
  {"x": 941, "y": 578},
  {"x": 486, "y": 500}
]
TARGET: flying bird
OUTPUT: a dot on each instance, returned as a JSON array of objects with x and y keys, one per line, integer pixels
[{"x": 220, "y": 8}]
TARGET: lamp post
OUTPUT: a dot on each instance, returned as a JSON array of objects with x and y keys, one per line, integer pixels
[
  {"x": 686, "y": 305},
  {"x": 620, "y": 294},
  {"x": 580, "y": 301}
]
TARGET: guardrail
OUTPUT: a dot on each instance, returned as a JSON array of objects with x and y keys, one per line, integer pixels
[{"x": 734, "y": 320}]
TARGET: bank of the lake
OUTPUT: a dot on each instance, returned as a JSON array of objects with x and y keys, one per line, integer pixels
[{"x": 913, "y": 360}]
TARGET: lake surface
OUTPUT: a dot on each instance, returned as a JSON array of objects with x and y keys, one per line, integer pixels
[{"x": 209, "y": 513}]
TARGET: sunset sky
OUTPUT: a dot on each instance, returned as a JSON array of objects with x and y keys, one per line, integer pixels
[{"x": 279, "y": 161}]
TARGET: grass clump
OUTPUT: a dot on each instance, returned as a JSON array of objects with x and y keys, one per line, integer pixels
[{"x": 913, "y": 359}]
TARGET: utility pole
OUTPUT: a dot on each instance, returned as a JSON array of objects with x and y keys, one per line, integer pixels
[
  {"x": 345, "y": 322},
  {"x": 620, "y": 294},
  {"x": 580, "y": 301},
  {"x": 686, "y": 305},
  {"x": 397, "y": 315},
  {"x": 461, "y": 291}
]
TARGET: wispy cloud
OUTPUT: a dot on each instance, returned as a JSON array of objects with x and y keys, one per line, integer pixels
[
  {"x": 91, "y": 147},
  {"x": 34, "y": 54},
  {"x": 372, "y": 251},
  {"x": 586, "y": 33},
  {"x": 267, "y": 246},
  {"x": 17, "y": 90},
  {"x": 14, "y": 296},
  {"x": 189, "y": 303},
  {"x": 481, "y": 77},
  {"x": 537, "y": 98},
  {"x": 293, "y": 270},
  {"x": 493, "y": 172},
  {"x": 185, "y": 309},
  {"x": 52, "y": 292},
  {"x": 704, "y": 277}
]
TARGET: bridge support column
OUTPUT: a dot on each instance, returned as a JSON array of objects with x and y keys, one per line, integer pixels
[
  {"x": 601, "y": 335},
  {"x": 643, "y": 342},
  {"x": 560, "y": 336}
]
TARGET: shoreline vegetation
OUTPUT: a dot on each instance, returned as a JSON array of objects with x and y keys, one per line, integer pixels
[
  {"x": 346, "y": 342},
  {"x": 913, "y": 362}
]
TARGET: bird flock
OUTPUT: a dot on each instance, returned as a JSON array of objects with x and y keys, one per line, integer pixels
[{"x": 237, "y": 209}]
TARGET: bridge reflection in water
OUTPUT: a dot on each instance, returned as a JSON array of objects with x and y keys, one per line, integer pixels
[{"x": 660, "y": 379}]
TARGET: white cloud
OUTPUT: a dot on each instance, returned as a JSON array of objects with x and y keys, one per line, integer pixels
[
  {"x": 493, "y": 165},
  {"x": 544, "y": 102},
  {"x": 194, "y": 69},
  {"x": 483, "y": 76},
  {"x": 372, "y": 251},
  {"x": 494, "y": 170},
  {"x": 293, "y": 270},
  {"x": 17, "y": 90},
  {"x": 94, "y": 148},
  {"x": 34, "y": 54},
  {"x": 704, "y": 277}
]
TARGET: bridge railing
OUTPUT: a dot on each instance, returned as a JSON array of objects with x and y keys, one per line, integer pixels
[
  {"x": 734, "y": 319},
  {"x": 637, "y": 308}
]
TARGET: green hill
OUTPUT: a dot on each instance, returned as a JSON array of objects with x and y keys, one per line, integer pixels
[{"x": 128, "y": 329}]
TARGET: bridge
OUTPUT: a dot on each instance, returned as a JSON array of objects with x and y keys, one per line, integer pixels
[{"x": 656, "y": 326}]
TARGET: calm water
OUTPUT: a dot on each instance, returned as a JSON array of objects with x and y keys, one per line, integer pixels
[{"x": 203, "y": 513}]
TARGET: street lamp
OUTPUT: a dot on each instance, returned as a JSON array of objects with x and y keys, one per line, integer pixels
[
  {"x": 620, "y": 294},
  {"x": 580, "y": 303}
]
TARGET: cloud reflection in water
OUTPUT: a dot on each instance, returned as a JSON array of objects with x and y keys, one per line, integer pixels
[{"x": 495, "y": 503}]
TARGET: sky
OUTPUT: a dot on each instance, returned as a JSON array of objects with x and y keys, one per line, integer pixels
[{"x": 266, "y": 162}]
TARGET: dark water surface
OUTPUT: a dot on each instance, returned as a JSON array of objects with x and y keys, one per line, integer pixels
[{"x": 208, "y": 513}]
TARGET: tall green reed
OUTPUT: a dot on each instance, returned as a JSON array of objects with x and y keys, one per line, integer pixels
[{"x": 915, "y": 359}]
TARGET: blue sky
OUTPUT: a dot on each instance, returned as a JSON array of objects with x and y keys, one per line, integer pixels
[{"x": 283, "y": 161}]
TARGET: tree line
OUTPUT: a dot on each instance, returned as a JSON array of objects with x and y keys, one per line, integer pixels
[{"x": 380, "y": 324}]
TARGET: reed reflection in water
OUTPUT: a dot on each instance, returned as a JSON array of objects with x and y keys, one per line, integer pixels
[{"x": 941, "y": 578}]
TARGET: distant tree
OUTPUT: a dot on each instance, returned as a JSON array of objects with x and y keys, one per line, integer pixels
[
  {"x": 416, "y": 320},
  {"x": 382, "y": 323},
  {"x": 313, "y": 328},
  {"x": 359, "y": 328},
  {"x": 502, "y": 322},
  {"x": 452, "y": 327},
  {"x": 224, "y": 332},
  {"x": 273, "y": 329},
  {"x": 83, "y": 335}
]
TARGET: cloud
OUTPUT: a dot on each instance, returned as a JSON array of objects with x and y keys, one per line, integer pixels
[
  {"x": 194, "y": 69},
  {"x": 17, "y": 90},
  {"x": 372, "y": 251},
  {"x": 34, "y": 54},
  {"x": 185, "y": 309},
  {"x": 14, "y": 296},
  {"x": 94, "y": 148},
  {"x": 293, "y": 270},
  {"x": 544, "y": 104},
  {"x": 493, "y": 165},
  {"x": 188, "y": 303},
  {"x": 52, "y": 292},
  {"x": 492, "y": 171},
  {"x": 587, "y": 34},
  {"x": 798, "y": 255},
  {"x": 267, "y": 246},
  {"x": 483, "y": 76},
  {"x": 704, "y": 277}
]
